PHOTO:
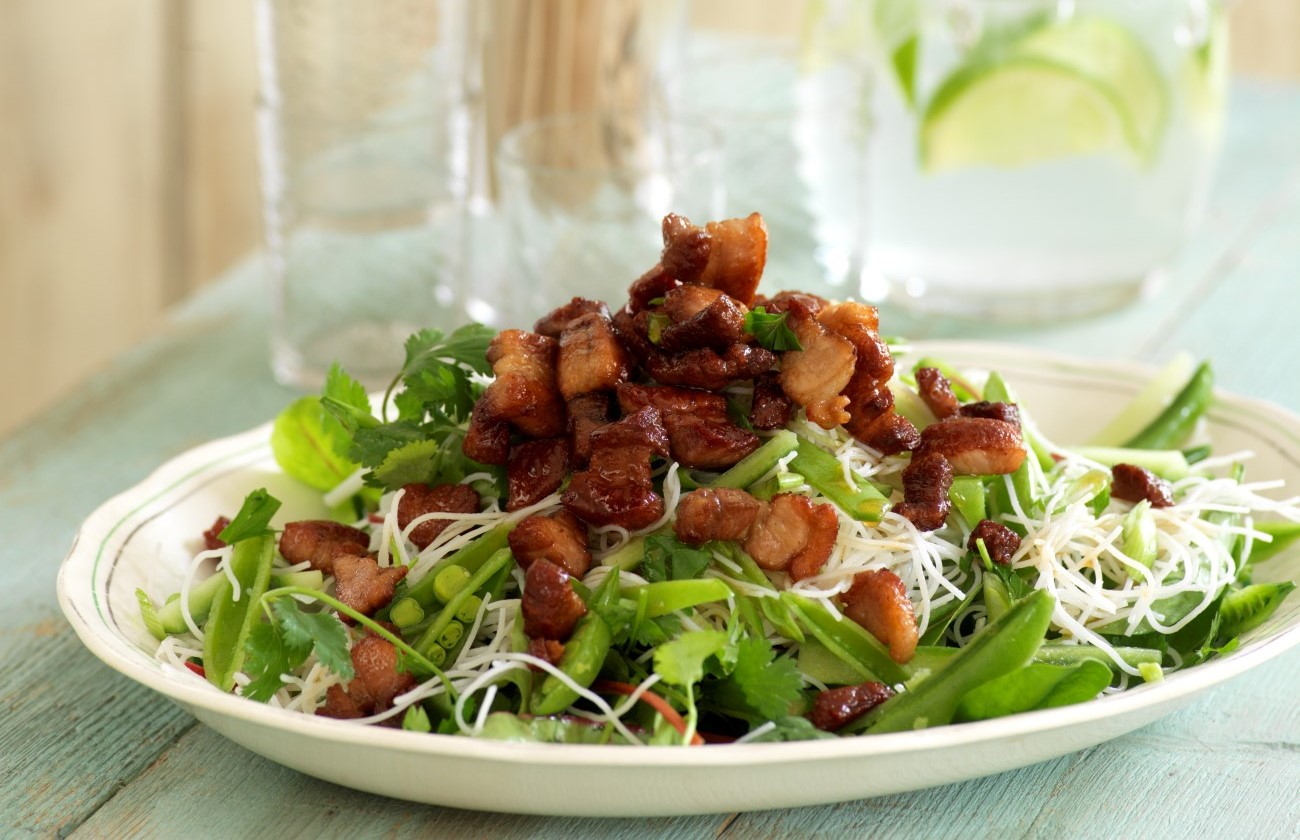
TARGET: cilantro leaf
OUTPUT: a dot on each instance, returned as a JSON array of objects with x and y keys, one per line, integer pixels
[
  {"x": 270, "y": 654},
  {"x": 322, "y": 631},
  {"x": 342, "y": 388},
  {"x": 429, "y": 351},
  {"x": 770, "y": 684},
  {"x": 667, "y": 558},
  {"x": 770, "y": 330},
  {"x": 792, "y": 728},
  {"x": 681, "y": 661},
  {"x": 370, "y": 446},
  {"x": 253, "y": 518},
  {"x": 414, "y": 463}
]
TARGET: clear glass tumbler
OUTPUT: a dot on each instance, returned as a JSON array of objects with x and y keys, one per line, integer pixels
[
  {"x": 1037, "y": 159},
  {"x": 364, "y": 132},
  {"x": 583, "y": 196}
]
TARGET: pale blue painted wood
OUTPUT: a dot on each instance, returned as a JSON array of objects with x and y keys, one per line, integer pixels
[{"x": 80, "y": 746}]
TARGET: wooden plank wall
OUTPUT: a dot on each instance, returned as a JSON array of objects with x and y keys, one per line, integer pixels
[{"x": 128, "y": 165}]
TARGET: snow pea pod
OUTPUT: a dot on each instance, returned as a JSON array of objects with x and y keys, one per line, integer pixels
[
  {"x": 1175, "y": 423},
  {"x": 846, "y": 639},
  {"x": 584, "y": 654},
  {"x": 757, "y": 463},
  {"x": 231, "y": 619},
  {"x": 668, "y": 596},
  {"x": 825, "y": 474},
  {"x": 1000, "y": 648}
]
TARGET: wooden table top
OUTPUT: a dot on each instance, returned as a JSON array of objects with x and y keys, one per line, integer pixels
[{"x": 84, "y": 751}]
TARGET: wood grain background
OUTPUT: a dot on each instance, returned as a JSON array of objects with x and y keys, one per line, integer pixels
[{"x": 128, "y": 167}]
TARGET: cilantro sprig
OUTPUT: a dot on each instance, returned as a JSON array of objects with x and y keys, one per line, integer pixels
[{"x": 770, "y": 331}]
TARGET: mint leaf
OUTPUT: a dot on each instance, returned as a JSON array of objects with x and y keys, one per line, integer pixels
[
  {"x": 268, "y": 655},
  {"x": 321, "y": 631},
  {"x": 667, "y": 558},
  {"x": 770, "y": 685},
  {"x": 253, "y": 518},
  {"x": 770, "y": 331},
  {"x": 681, "y": 661}
]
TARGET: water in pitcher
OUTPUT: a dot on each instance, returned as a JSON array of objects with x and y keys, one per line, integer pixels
[{"x": 1056, "y": 153}]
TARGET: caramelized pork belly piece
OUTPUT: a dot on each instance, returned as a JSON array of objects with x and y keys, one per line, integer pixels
[
  {"x": 420, "y": 499},
  {"x": 878, "y": 602},
  {"x": 835, "y": 708},
  {"x": 587, "y": 413},
  {"x": 487, "y": 439},
  {"x": 591, "y": 357},
  {"x": 814, "y": 376},
  {"x": 685, "y": 302},
  {"x": 794, "y": 535},
  {"x": 771, "y": 408},
  {"x": 559, "y": 538},
  {"x": 376, "y": 683},
  {"x": 1135, "y": 484},
  {"x": 721, "y": 514},
  {"x": 718, "y": 325},
  {"x": 319, "y": 541},
  {"x": 781, "y": 301},
  {"x": 700, "y": 435},
  {"x": 727, "y": 255},
  {"x": 975, "y": 445},
  {"x": 936, "y": 392},
  {"x": 549, "y": 605},
  {"x": 702, "y": 368},
  {"x": 536, "y": 469},
  {"x": 547, "y": 650},
  {"x": 362, "y": 585},
  {"x": 525, "y": 392},
  {"x": 872, "y": 419},
  {"x": 926, "y": 482},
  {"x": 212, "y": 537},
  {"x": 652, "y": 285},
  {"x": 616, "y": 488},
  {"x": 1006, "y": 412},
  {"x": 999, "y": 541},
  {"x": 554, "y": 322}
]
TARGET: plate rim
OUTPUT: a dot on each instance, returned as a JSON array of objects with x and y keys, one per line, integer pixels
[{"x": 123, "y": 656}]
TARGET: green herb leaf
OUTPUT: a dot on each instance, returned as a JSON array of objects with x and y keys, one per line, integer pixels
[
  {"x": 770, "y": 684},
  {"x": 269, "y": 655},
  {"x": 792, "y": 728},
  {"x": 667, "y": 558},
  {"x": 311, "y": 445},
  {"x": 322, "y": 631},
  {"x": 770, "y": 331},
  {"x": 681, "y": 661},
  {"x": 253, "y": 518},
  {"x": 416, "y": 719}
]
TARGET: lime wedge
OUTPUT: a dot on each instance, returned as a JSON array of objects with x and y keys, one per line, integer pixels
[
  {"x": 1114, "y": 57},
  {"x": 1019, "y": 111}
]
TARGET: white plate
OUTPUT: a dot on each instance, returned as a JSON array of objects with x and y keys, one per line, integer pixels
[{"x": 144, "y": 537}]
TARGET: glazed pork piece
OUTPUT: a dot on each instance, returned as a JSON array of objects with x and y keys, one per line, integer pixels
[
  {"x": 878, "y": 601},
  {"x": 835, "y": 708},
  {"x": 719, "y": 324},
  {"x": 975, "y": 445},
  {"x": 587, "y": 413},
  {"x": 790, "y": 533},
  {"x": 553, "y": 323},
  {"x": 549, "y": 605},
  {"x": 523, "y": 395},
  {"x": 999, "y": 541},
  {"x": 704, "y": 367},
  {"x": 936, "y": 392},
  {"x": 926, "y": 481},
  {"x": 319, "y": 541},
  {"x": 616, "y": 487},
  {"x": 727, "y": 255},
  {"x": 536, "y": 469},
  {"x": 1005, "y": 412},
  {"x": 815, "y": 376},
  {"x": 700, "y": 435},
  {"x": 376, "y": 683},
  {"x": 559, "y": 538},
  {"x": 363, "y": 585},
  {"x": 872, "y": 420},
  {"x": 771, "y": 408},
  {"x": 422, "y": 499},
  {"x": 1134, "y": 484},
  {"x": 591, "y": 357},
  {"x": 652, "y": 285}
]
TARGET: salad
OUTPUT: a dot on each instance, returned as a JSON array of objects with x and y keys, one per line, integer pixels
[{"x": 718, "y": 516}]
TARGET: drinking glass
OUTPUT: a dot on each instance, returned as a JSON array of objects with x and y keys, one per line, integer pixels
[
  {"x": 583, "y": 196},
  {"x": 1037, "y": 159},
  {"x": 363, "y": 130}
]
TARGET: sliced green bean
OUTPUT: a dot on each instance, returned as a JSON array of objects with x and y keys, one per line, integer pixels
[
  {"x": 757, "y": 463},
  {"x": 231, "y": 619},
  {"x": 406, "y": 613},
  {"x": 1175, "y": 423},
  {"x": 1000, "y": 648},
  {"x": 825, "y": 474}
]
